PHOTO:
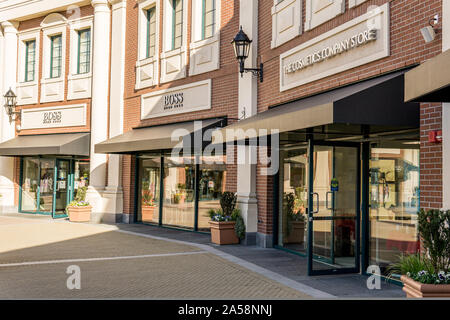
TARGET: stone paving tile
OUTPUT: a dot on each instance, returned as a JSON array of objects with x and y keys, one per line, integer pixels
[
  {"x": 191, "y": 276},
  {"x": 195, "y": 276},
  {"x": 60, "y": 240}
]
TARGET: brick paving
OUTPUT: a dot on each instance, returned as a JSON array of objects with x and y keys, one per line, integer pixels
[{"x": 127, "y": 266}]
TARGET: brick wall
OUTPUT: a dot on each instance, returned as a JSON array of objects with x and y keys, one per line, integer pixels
[
  {"x": 430, "y": 157},
  {"x": 407, "y": 48},
  {"x": 224, "y": 87}
]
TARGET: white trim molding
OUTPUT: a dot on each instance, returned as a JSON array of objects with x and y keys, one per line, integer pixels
[
  {"x": 52, "y": 89},
  {"x": 79, "y": 85},
  {"x": 355, "y": 3},
  {"x": 173, "y": 62},
  {"x": 27, "y": 92},
  {"x": 321, "y": 11},
  {"x": 147, "y": 69},
  {"x": 286, "y": 21},
  {"x": 204, "y": 53}
]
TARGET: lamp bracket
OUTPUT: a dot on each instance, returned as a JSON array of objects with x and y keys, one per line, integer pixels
[{"x": 258, "y": 72}]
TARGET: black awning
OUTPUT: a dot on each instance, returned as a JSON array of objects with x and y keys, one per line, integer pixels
[
  {"x": 375, "y": 102},
  {"x": 74, "y": 144},
  {"x": 154, "y": 138}
]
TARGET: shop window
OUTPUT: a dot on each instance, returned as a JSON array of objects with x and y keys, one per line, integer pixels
[
  {"x": 84, "y": 51},
  {"x": 394, "y": 204},
  {"x": 30, "y": 60},
  {"x": 55, "y": 56},
  {"x": 149, "y": 196},
  {"x": 294, "y": 200},
  {"x": 81, "y": 175},
  {"x": 30, "y": 183},
  {"x": 179, "y": 192},
  {"x": 211, "y": 186}
]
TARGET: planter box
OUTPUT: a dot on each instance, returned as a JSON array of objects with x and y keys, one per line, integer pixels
[
  {"x": 223, "y": 232},
  {"x": 79, "y": 214},
  {"x": 414, "y": 289},
  {"x": 147, "y": 213},
  {"x": 297, "y": 234}
]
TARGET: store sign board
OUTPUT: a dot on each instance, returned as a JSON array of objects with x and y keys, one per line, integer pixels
[
  {"x": 357, "y": 42},
  {"x": 54, "y": 117},
  {"x": 192, "y": 97}
]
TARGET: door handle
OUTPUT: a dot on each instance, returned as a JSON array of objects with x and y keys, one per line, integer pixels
[
  {"x": 332, "y": 202},
  {"x": 312, "y": 204}
]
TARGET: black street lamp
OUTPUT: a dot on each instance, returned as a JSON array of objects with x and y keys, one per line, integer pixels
[
  {"x": 241, "y": 44},
  {"x": 10, "y": 105}
]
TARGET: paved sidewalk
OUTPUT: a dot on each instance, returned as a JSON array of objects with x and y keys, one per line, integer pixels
[
  {"x": 35, "y": 254},
  {"x": 140, "y": 261}
]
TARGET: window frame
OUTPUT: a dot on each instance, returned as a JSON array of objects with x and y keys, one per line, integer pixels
[
  {"x": 52, "y": 38},
  {"x": 148, "y": 45},
  {"x": 89, "y": 50},
  {"x": 204, "y": 13},
  {"x": 27, "y": 43},
  {"x": 174, "y": 24}
]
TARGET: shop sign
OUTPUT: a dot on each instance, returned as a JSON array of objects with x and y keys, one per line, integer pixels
[
  {"x": 193, "y": 97},
  {"x": 54, "y": 117},
  {"x": 357, "y": 42}
]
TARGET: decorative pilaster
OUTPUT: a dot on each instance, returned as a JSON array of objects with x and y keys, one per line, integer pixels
[
  {"x": 113, "y": 193},
  {"x": 8, "y": 67},
  {"x": 99, "y": 103},
  {"x": 247, "y": 156}
]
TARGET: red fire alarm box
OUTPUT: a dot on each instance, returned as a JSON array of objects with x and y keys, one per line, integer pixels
[{"x": 435, "y": 136}]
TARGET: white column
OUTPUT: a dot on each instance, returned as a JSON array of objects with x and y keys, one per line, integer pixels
[
  {"x": 248, "y": 84},
  {"x": 99, "y": 103},
  {"x": 8, "y": 72},
  {"x": 446, "y": 112},
  {"x": 113, "y": 195}
]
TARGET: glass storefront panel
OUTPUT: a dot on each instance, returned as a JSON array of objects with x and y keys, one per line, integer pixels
[
  {"x": 46, "y": 186},
  {"x": 211, "y": 186},
  {"x": 62, "y": 186},
  {"x": 293, "y": 179},
  {"x": 179, "y": 192},
  {"x": 30, "y": 183},
  {"x": 394, "y": 204},
  {"x": 150, "y": 172},
  {"x": 81, "y": 175}
]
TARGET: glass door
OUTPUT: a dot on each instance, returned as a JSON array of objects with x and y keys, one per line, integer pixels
[
  {"x": 62, "y": 188},
  {"x": 333, "y": 221},
  {"x": 46, "y": 186}
]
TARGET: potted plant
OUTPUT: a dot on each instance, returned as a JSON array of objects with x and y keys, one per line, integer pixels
[
  {"x": 428, "y": 274},
  {"x": 79, "y": 210},
  {"x": 227, "y": 224},
  {"x": 148, "y": 205},
  {"x": 294, "y": 208},
  {"x": 181, "y": 192}
]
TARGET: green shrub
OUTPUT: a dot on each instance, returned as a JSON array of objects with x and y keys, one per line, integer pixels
[{"x": 228, "y": 202}]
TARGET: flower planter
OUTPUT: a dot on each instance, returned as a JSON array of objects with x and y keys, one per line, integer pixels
[
  {"x": 147, "y": 213},
  {"x": 414, "y": 289},
  {"x": 79, "y": 214},
  {"x": 297, "y": 234},
  {"x": 223, "y": 232}
]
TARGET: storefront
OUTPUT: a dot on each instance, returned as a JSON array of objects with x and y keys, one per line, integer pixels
[
  {"x": 52, "y": 169},
  {"x": 173, "y": 190},
  {"x": 347, "y": 188}
]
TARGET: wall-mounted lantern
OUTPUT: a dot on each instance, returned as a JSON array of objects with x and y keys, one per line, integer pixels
[
  {"x": 10, "y": 105},
  {"x": 241, "y": 44}
]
